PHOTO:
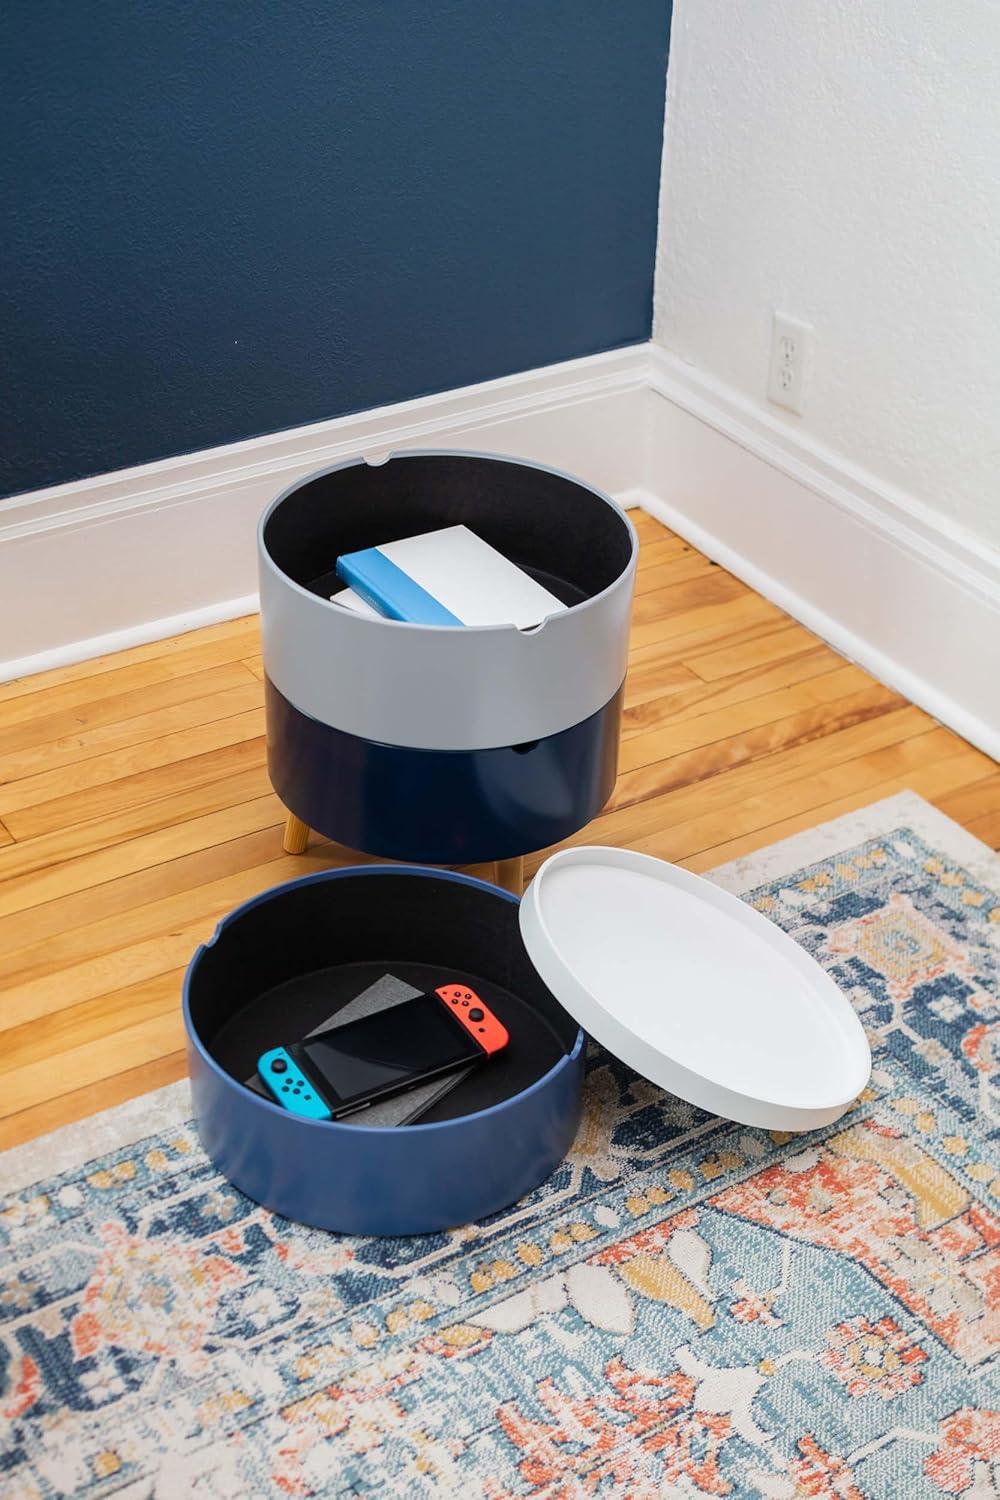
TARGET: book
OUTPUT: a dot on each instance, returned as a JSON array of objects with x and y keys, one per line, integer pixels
[
  {"x": 445, "y": 577},
  {"x": 348, "y": 599}
]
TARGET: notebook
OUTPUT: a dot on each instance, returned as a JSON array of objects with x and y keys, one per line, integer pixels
[{"x": 446, "y": 577}]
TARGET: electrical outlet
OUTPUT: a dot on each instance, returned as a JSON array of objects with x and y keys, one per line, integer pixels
[{"x": 791, "y": 347}]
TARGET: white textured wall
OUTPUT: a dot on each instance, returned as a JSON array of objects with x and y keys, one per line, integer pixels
[{"x": 840, "y": 160}]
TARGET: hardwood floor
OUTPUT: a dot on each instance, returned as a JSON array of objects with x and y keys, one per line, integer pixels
[{"x": 135, "y": 808}]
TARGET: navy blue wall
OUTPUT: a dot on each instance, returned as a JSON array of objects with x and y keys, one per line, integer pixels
[{"x": 237, "y": 216}]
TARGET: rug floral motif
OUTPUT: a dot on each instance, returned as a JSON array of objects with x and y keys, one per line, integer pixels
[{"x": 687, "y": 1307}]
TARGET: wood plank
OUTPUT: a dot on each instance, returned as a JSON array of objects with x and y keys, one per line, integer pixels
[
  {"x": 49, "y": 1036},
  {"x": 37, "y": 998},
  {"x": 647, "y": 528},
  {"x": 692, "y": 633},
  {"x": 662, "y": 549},
  {"x": 67, "y": 1108},
  {"x": 153, "y": 939},
  {"x": 183, "y": 661},
  {"x": 648, "y": 664},
  {"x": 136, "y": 888},
  {"x": 753, "y": 790},
  {"x": 681, "y": 568},
  {"x": 977, "y": 800},
  {"x": 6, "y": 837},
  {"x": 816, "y": 738},
  {"x": 56, "y": 754},
  {"x": 703, "y": 729},
  {"x": 655, "y": 679},
  {"x": 896, "y": 767},
  {"x": 675, "y": 636},
  {"x": 987, "y": 827},
  {"x": 29, "y": 856},
  {"x": 140, "y": 853},
  {"x": 119, "y": 764},
  {"x": 131, "y": 791},
  {"x": 677, "y": 598},
  {"x": 207, "y": 635},
  {"x": 788, "y": 640},
  {"x": 932, "y": 782},
  {"x": 92, "y": 1062},
  {"x": 687, "y": 699},
  {"x": 107, "y": 931},
  {"x": 119, "y": 708}
]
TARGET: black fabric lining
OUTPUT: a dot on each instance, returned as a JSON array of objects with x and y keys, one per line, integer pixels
[
  {"x": 287, "y": 964},
  {"x": 560, "y": 532}
]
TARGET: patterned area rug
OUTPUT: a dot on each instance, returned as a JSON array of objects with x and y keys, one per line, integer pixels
[{"x": 687, "y": 1307}]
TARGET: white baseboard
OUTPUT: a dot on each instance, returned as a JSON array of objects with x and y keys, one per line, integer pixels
[
  {"x": 144, "y": 553},
  {"x": 68, "y": 652},
  {"x": 885, "y": 581}
]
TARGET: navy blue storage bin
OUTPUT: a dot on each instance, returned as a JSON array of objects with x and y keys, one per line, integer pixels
[{"x": 285, "y": 961}]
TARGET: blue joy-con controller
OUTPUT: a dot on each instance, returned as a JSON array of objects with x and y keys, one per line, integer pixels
[{"x": 291, "y": 1088}]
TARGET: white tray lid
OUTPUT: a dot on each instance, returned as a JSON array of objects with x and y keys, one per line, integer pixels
[{"x": 694, "y": 989}]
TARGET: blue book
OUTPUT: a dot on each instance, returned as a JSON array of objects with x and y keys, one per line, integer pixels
[{"x": 389, "y": 591}]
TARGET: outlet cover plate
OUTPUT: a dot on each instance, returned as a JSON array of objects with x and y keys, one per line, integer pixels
[{"x": 791, "y": 352}]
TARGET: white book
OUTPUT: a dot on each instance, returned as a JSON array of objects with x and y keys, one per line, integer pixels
[
  {"x": 348, "y": 599},
  {"x": 467, "y": 577}
]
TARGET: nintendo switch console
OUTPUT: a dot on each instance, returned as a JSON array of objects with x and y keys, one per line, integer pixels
[{"x": 343, "y": 1071}]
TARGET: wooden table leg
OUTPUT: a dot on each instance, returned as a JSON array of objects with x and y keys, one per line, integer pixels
[
  {"x": 510, "y": 874},
  {"x": 296, "y": 835}
]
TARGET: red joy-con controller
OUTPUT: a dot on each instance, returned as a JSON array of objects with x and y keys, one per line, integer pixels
[{"x": 480, "y": 1022}]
